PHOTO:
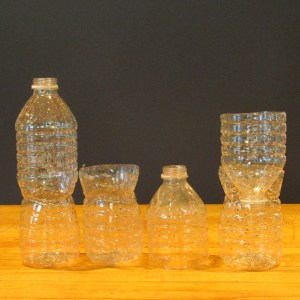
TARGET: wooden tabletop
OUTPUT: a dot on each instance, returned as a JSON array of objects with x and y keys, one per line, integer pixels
[{"x": 138, "y": 281}]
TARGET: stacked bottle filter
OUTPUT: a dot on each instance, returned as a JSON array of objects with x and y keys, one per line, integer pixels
[
  {"x": 251, "y": 173},
  {"x": 47, "y": 173}
]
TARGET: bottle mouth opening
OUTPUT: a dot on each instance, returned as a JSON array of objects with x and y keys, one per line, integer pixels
[
  {"x": 174, "y": 172},
  {"x": 44, "y": 84}
]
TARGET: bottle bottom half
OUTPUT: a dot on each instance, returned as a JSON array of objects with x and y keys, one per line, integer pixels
[
  {"x": 113, "y": 231},
  {"x": 49, "y": 233},
  {"x": 250, "y": 235},
  {"x": 110, "y": 247},
  {"x": 178, "y": 245},
  {"x": 251, "y": 262}
]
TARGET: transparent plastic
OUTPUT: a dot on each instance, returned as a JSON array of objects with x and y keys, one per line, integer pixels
[
  {"x": 251, "y": 173},
  {"x": 113, "y": 226},
  {"x": 47, "y": 173},
  {"x": 177, "y": 224}
]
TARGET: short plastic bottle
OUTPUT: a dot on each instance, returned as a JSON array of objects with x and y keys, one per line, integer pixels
[
  {"x": 113, "y": 226},
  {"x": 177, "y": 224},
  {"x": 47, "y": 173}
]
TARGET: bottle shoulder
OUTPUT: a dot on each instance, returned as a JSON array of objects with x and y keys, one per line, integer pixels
[
  {"x": 176, "y": 193},
  {"x": 46, "y": 111},
  {"x": 181, "y": 199}
]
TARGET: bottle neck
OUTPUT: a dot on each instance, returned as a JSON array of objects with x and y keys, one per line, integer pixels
[
  {"x": 175, "y": 181},
  {"x": 174, "y": 174},
  {"x": 44, "y": 92}
]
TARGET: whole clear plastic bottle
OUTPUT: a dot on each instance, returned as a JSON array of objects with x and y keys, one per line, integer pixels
[
  {"x": 113, "y": 226},
  {"x": 47, "y": 173},
  {"x": 177, "y": 223}
]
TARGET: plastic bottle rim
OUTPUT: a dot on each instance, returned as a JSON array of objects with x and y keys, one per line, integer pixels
[
  {"x": 44, "y": 84},
  {"x": 174, "y": 172}
]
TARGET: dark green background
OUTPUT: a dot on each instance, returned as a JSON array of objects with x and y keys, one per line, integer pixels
[{"x": 147, "y": 80}]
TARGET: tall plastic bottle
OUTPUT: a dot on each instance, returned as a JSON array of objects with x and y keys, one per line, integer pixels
[
  {"x": 47, "y": 173},
  {"x": 177, "y": 223}
]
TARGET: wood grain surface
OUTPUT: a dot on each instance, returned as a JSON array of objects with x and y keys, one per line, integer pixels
[{"x": 137, "y": 281}]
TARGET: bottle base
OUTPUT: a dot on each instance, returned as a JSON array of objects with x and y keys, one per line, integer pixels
[
  {"x": 251, "y": 262},
  {"x": 51, "y": 260},
  {"x": 113, "y": 258},
  {"x": 178, "y": 262}
]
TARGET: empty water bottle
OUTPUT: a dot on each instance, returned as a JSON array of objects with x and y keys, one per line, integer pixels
[
  {"x": 47, "y": 173},
  {"x": 177, "y": 223}
]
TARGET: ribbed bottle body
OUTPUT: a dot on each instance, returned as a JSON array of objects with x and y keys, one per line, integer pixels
[
  {"x": 47, "y": 174},
  {"x": 177, "y": 241},
  {"x": 47, "y": 162},
  {"x": 49, "y": 233},
  {"x": 113, "y": 231},
  {"x": 177, "y": 227},
  {"x": 251, "y": 235}
]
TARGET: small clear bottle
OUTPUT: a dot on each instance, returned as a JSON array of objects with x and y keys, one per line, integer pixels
[
  {"x": 47, "y": 174},
  {"x": 177, "y": 223}
]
